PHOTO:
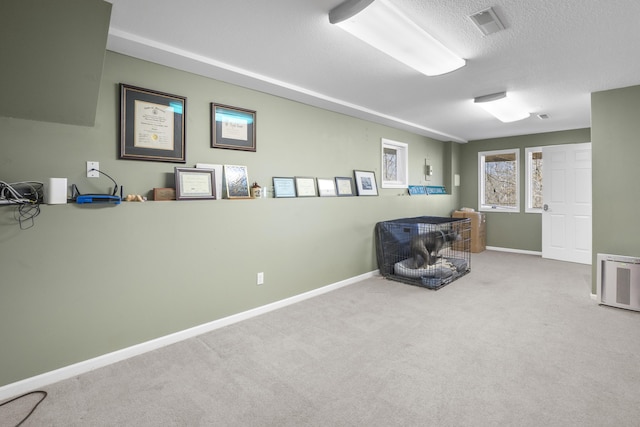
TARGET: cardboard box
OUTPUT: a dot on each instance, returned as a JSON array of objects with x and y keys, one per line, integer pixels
[{"x": 478, "y": 229}]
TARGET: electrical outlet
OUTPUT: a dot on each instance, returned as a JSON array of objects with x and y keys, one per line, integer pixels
[
  {"x": 91, "y": 173},
  {"x": 260, "y": 278}
]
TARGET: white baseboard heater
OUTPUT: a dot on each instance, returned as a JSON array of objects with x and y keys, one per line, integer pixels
[{"x": 618, "y": 281}]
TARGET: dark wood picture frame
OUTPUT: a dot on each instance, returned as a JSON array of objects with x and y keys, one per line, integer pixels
[
  {"x": 233, "y": 128},
  {"x": 152, "y": 125}
]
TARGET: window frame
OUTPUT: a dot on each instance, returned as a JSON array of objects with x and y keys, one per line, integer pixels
[
  {"x": 402, "y": 155},
  {"x": 528, "y": 207},
  {"x": 482, "y": 207}
]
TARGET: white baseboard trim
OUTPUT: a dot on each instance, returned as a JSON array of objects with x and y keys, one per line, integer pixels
[
  {"x": 42, "y": 380},
  {"x": 515, "y": 251}
]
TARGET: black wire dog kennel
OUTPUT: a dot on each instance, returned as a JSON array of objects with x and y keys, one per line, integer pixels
[{"x": 425, "y": 251}]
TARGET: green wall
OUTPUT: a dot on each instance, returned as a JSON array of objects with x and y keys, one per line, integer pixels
[
  {"x": 616, "y": 151},
  {"x": 85, "y": 281},
  {"x": 66, "y": 38},
  {"x": 520, "y": 231}
]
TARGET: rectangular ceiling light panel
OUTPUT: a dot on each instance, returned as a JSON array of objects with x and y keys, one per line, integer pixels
[
  {"x": 386, "y": 28},
  {"x": 501, "y": 107}
]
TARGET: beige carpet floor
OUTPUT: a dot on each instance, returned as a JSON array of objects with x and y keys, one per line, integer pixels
[{"x": 517, "y": 342}]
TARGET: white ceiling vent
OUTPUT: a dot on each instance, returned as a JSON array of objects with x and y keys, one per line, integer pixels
[{"x": 487, "y": 21}]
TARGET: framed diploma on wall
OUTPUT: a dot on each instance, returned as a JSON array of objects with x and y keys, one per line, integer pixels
[
  {"x": 233, "y": 128},
  {"x": 152, "y": 125}
]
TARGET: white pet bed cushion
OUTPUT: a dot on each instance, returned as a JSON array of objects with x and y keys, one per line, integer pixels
[{"x": 442, "y": 269}]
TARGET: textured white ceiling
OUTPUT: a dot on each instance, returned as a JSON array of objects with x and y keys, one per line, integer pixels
[{"x": 551, "y": 56}]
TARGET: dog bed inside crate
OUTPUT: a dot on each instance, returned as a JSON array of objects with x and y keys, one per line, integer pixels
[{"x": 433, "y": 276}]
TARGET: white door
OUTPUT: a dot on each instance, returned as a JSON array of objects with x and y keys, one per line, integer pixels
[{"x": 566, "y": 192}]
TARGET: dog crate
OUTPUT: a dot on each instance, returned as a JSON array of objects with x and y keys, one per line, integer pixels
[{"x": 425, "y": 251}]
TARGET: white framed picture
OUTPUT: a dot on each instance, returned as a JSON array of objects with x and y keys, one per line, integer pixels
[{"x": 366, "y": 183}]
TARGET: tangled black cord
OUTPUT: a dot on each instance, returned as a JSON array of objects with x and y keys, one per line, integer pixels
[
  {"x": 26, "y": 212},
  {"x": 44, "y": 395}
]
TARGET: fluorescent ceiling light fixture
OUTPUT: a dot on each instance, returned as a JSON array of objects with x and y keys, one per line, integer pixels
[
  {"x": 501, "y": 107},
  {"x": 383, "y": 26}
]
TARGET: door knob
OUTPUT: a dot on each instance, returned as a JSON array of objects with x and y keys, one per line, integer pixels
[{"x": 545, "y": 207}]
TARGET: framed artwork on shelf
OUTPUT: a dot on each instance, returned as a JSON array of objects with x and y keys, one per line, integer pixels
[
  {"x": 366, "y": 183},
  {"x": 236, "y": 181},
  {"x": 326, "y": 187},
  {"x": 195, "y": 184},
  {"x": 233, "y": 128},
  {"x": 152, "y": 125},
  {"x": 305, "y": 187},
  {"x": 284, "y": 187},
  {"x": 344, "y": 186}
]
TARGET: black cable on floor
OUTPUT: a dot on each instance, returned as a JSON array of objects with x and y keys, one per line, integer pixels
[{"x": 44, "y": 395}]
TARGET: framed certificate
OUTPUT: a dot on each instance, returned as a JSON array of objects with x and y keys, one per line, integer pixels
[
  {"x": 233, "y": 128},
  {"x": 152, "y": 125},
  {"x": 195, "y": 184},
  {"x": 305, "y": 187},
  {"x": 344, "y": 186},
  {"x": 326, "y": 187},
  {"x": 284, "y": 187},
  {"x": 366, "y": 183}
]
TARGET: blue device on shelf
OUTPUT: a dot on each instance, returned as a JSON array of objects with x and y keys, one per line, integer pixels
[{"x": 98, "y": 198}]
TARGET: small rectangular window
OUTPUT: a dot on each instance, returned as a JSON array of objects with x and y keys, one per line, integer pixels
[
  {"x": 498, "y": 181},
  {"x": 395, "y": 159},
  {"x": 533, "y": 184}
]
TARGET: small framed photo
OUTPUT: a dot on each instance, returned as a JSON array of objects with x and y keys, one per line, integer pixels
[
  {"x": 284, "y": 187},
  {"x": 152, "y": 125},
  {"x": 305, "y": 187},
  {"x": 326, "y": 187},
  {"x": 366, "y": 183},
  {"x": 195, "y": 184},
  {"x": 237, "y": 182},
  {"x": 344, "y": 186},
  {"x": 233, "y": 128}
]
